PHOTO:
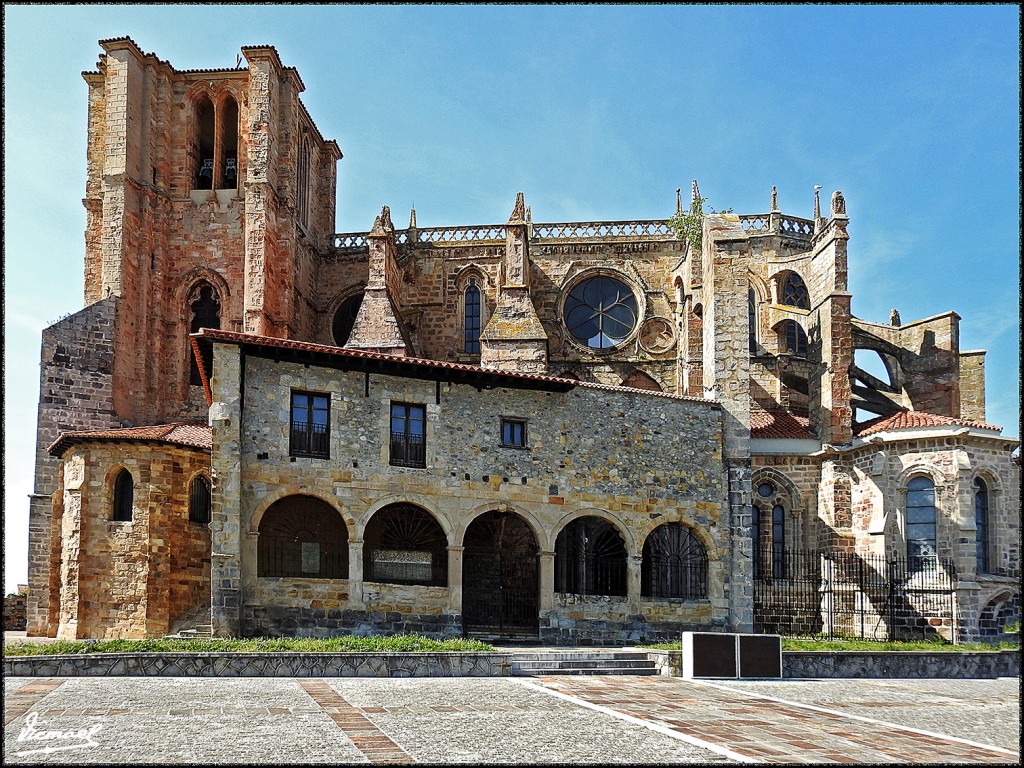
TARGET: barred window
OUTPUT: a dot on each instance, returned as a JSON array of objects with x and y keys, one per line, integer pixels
[
  {"x": 404, "y": 544},
  {"x": 408, "y": 435},
  {"x": 124, "y": 496},
  {"x": 199, "y": 497},
  {"x": 472, "y": 320},
  {"x": 674, "y": 564},
  {"x": 310, "y": 425},
  {"x": 778, "y": 542},
  {"x": 302, "y": 536},
  {"x": 590, "y": 558}
]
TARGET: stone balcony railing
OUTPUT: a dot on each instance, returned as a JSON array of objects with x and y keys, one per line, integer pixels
[{"x": 640, "y": 230}]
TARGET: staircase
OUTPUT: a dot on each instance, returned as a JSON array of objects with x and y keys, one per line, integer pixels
[
  {"x": 195, "y": 623},
  {"x": 525, "y": 663}
]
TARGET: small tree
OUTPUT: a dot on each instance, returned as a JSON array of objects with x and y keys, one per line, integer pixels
[{"x": 689, "y": 224}]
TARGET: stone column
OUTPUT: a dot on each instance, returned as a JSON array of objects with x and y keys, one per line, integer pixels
[
  {"x": 71, "y": 547},
  {"x": 355, "y": 575},
  {"x": 547, "y": 581},
  {"x": 633, "y": 584},
  {"x": 455, "y": 580}
]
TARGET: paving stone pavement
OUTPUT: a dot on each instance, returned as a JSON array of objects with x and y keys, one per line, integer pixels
[{"x": 583, "y": 720}]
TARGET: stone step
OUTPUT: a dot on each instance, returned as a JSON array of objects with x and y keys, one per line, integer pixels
[
  {"x": 605, "y": 670},
  {"x": 579, "y": 656},
  {"x": 580, "y": 663},
  {"x": 583, "y": 663}
]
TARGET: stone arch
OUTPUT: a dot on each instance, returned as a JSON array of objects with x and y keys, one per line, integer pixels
[
  {"x": 540, "y": 532},
  {"x": 675, "y": 563},
  {"x": 112, "y": 484},
  {"x": 1001, "y": 607},
  {"x": 789, "y": 285},
  {"x": 627, "y": 533},
  {"x": 283, "y": 492},
  {"x": 426, "y": 503},
  {"x": 190, "y": 489},
  {"x": 346, "y": 303},
  {"x": 921, "y": 468},
  {"x": 404, "y": 543},
  {"x": 704, "y": 536},
  {"x": 591, "y": 556},
  {"x": 302, "y": 536}
]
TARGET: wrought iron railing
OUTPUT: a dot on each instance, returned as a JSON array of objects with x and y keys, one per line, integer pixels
[
  {"x": 674, "y": 577},
  {"x": 309, "y": 439},
  {"x": 845, "y": 595},
  {"x": 408, "y": 450},
  {"x": 278, "y": 556},
  {"x": 591, "y": 575}
]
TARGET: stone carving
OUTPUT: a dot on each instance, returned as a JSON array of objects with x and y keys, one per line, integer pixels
[
  {"x": 894, "y": 317},
  {"x": 657, "y": 335},
  {"x": 838, "y": 204},
  {"x": 555, "y": 338},
  {"x": 775, "y": 199}
]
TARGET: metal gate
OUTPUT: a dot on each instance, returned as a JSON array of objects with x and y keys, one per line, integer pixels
[{"x": 500, "y": 577}]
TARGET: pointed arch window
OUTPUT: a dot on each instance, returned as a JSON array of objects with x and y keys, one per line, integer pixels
[
  {"x": 205, "y": 309},
  {"x": 471, "y": 344},
  {"x": 215, "y": 144},
  {"x": 199, "y": 498},
  {"x": 981, "y": 523},
  {"x": 752, "y": 320},
  {"x": 920, "y": 520},
  {"x": 302, "y": 180},
  {"x": 794, "y": 292},
  {"x": 124, "y": 497}
]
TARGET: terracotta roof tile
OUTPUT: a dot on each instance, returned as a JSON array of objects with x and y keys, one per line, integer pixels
[
  {"x": 233, "y": 337},
  {"x": 916, "y": 420},
  {"x": 778, "y": 423},
  {"x": 189, "y": 434}
]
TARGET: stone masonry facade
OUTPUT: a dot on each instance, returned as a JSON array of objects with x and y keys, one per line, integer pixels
[{"x": 635, "y": 414}]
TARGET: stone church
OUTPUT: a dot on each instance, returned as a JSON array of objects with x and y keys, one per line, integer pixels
[{"x": 575, "y": 432}]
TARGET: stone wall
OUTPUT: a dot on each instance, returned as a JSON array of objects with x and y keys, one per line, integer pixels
[
  {"x": 14, "y": 613},
  {"x": 635, "y": 459},
  {"x": 130, "y": 579}
]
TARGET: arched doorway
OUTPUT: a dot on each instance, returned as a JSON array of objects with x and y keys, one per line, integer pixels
[{"x": 500, "y": 576}]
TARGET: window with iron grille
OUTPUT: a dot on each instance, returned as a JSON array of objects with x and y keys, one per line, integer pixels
[
  {"x": 404, "y": 544},
  {"x": 302, "y": 537},
  {"x": 408, "y": 435},
  {"x": 310, "y": 425},
  {"x": 513, "y": 433},
  {"x": 590, "y": 559},
  {"x": 124, "y": 493},
  {"x": 921, "y": 549},
  {"x": 199, "y": 500},
  {"x": 674, "y": 564}
]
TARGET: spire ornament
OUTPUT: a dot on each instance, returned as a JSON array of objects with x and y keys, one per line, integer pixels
[{"x": 775, "y": 200}]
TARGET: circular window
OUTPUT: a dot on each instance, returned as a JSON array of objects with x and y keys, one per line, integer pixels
[
  {"x": 766, "y": 489},
  {"x": 600, "y": 312},
  {"x": 345, "y": 318}
]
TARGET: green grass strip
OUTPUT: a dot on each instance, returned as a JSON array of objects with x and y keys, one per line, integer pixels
[{"x": 346, "y": 643}]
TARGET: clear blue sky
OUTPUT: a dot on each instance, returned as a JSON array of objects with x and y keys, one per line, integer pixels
[{"x": 595, "y": 112}]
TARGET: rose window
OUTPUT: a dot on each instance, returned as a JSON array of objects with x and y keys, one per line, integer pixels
[{"x": 600, "y": 312}]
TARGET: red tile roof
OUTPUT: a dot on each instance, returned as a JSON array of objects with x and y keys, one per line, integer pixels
[
  {"x": 188, "y": 434},
  {"x": 779, "y": 424},
  {"x": 413, "y": 363},
  {"x": 916, "y": 420}
]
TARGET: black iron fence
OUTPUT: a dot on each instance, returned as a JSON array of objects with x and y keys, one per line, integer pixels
[
  {"x": 849, "y": 595},
  {"x": 408, "y": 450}
]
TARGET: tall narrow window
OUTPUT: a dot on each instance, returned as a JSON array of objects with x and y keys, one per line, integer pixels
[
  {"x": 124, "y": 496},
  {"x": 778, "y": 542},
  {"x": 981, "y": 522},
  {"x": 472, "y": 325},
  {"x": 228, "y": 114},
  {"x": 199, "y": 500},
  {"x": 408, "y": 435},
  {"x": 302, "y": 181},
  {"x": 755, "y": 538},
  {"x": 752, "y": 320},
  {"x": 205, "y": 314},
  {"x": 921, "y": 521},
  {"x": 204, "y": 143},
  {"x": 310, "y": 425}
]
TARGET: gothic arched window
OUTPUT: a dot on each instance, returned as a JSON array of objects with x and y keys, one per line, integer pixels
[
  {"x": 345, "y": 319},
  {"x": 205, "y": 310},
  {"x": 794, "y": 292},
  {"x": 124, "y": 496},
  {"x": 472, "y": 322},
  {"x": 981, "y": 523},
  {"x": 752, "y": 320},
  {"x": 921, "y": 520},
  {"x": 228, "y": 118},
  {"x": 302, "y": 181},
  {"x": 778, "y": 542},
  {"x": 215, "y": 144},
  {"x": 204, "y": 143}
]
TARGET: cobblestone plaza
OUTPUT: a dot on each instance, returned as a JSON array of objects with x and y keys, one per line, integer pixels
[{"x": 583, "y": 720}]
